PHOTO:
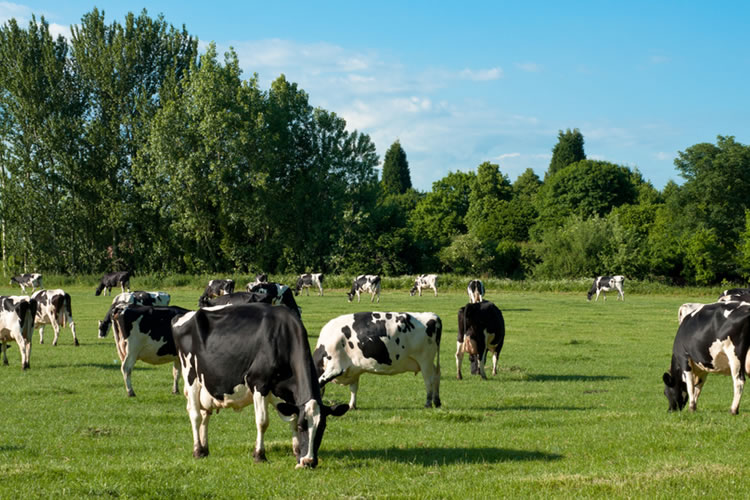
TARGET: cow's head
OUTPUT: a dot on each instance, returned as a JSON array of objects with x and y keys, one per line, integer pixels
[
  {"x": 99, "y": 289},
  {"x": 413, "y": 289},
  {"x": 311, "y": 424},
  {"x": 297, "y": 288},
  {"x": 350, "y": 295},
  {"x": 676, "y": 392}
]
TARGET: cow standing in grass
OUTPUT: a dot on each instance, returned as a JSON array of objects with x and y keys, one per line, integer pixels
[
  {"x": 111, "y": 280},
  {"x": 54, "y": 308},
  {"x": 481, "y": 329},
  {"x": 34, "y": 280},
  {"x": 17, "y": 314},
  {"x": 424, "y": 281},
  {"x": 604, "y": 284},
  {"x": 365, "y": 283}
]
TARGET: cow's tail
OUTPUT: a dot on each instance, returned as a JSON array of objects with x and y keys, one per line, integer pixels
[{"x": 68, "y": 310}]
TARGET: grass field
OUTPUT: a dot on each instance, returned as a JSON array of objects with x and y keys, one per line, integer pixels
[{"x": 576, "y": 410}]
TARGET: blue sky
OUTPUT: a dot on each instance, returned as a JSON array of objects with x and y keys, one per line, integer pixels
[{"x": 460, "y": 83}]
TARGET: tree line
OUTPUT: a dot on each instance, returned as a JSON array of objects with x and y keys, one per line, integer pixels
[{"x": 125, "y": 148}]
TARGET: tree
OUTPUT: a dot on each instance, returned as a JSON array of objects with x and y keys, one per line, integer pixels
[
  {"x": 488, "y": 202},
  {"x": 396, "y": 176},
  {"x": 568, "y": 150},
  {"x": 439, "y": 216}
]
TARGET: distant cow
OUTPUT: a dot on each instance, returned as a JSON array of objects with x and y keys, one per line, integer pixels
[
  {"x": 233, "y": 299},
  {"x": 111, "y": 280},
  {"x": 277, "y": 293},
  {"x": 233, "y": 356},
  {"x": 214, "y": 289},
  {"x": 138, "y": 297},
  {"x": 688, "y": 308},
  {"x": 424, "y": 281},
  {"x": 145, "y": 333},
  {"x": 309, "y": 280},
  {"x": 54, "y": 308},
  {"x": 365, "y": 283},
  {"x": 603, "y": 284},
  {"x": 481, "y": 329},
  {"x": 384, "y": 343},
  {"x": 17, "y": 315},
  {"x": 735, "y": 294},
  {"x": 34, "y": 280},
  {"x": 475, "y": 291},
  {"x": 714, "y": 339},
  {"x": 259, "y": 279}
]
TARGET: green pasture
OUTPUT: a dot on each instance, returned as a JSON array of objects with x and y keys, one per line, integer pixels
[{"x": 576, "y": 410}]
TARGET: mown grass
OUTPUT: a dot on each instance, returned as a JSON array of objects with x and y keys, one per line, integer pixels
[{"x": 577, "y": 410}]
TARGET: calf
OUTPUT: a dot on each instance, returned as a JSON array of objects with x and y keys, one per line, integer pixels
[
  {"x": 111, "y": 280},
  {"x": 139, "y": 297},
  {"x": 481, "y": 329},
  {"x": 384, "y": 343},
  {"x": 365, "y": 283},
  {"x": 713, "y": 339},
  {"x": 236, "y": 298},
  {"x": 214, "y": 289},
  {"x": 233, "y": 356},
  {"x": 309, "y": 280},
  {"x": 54, "y": 308},
  {"x": 34, "y": 280},
  {"x": 424, "y": 281},
  {"x": 475, "y": 291},
  {"x": 145, "y": 333},
  {"x": 17, "y": 315},
  {"x": 603, "y": 284}
]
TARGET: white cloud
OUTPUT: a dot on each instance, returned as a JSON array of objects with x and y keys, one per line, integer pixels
[
  {"x": 21, "y": 13},
  {"x": 662, "y": 156},
  {"x": 481, "y": 75},
  {"x": 529, "y": 67},
  {"x": 508, "y": 155}
]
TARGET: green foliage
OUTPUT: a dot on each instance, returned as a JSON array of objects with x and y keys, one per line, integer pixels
[
  {"x": 467, "y": 255},
  {"x": 439, "y": 215},
  {"x": 704, "y": 256},
  {"x": 743, "y": 249},
  {"x": 568, "y": 150},
  {"x": 396, "y": 175}
]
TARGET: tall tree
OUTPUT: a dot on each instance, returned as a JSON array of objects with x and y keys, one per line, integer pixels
[
  {"x": 396, "y": 174},
  {"x": 568, "y": 150}
]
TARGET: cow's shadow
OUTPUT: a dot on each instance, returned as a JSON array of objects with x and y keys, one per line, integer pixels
[
  {"x": 428, "y": 456},
  {"x": 558, "y": 377}
]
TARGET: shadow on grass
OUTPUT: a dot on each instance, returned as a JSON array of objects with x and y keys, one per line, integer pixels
[
  {"x": 446, "y": 456},
  {"x": 543, "y": 377},
  {"x": 520, "y": 309},
  {"x": 10, "y": 447},
  {"x": 103, "y": 366}
]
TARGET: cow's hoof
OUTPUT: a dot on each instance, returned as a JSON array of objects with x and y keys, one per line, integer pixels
[
  {"x": 306, "y": 463},
  {"x": 54, "y": 344},
  {"x": 459, "y": 377},
  {"x": 735, "y": 412},
  {"x": 76, "y": 343},
  {"x": 437, "y": 403},
  {"x": 200, "y": 452},
  {"x": 26, "y": 366},
  {"x": 260, "y": 456},
  {"x": 131, "y": 394},
  {"x": 41, "y": 341}
]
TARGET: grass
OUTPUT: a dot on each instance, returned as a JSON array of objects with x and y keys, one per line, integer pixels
[{"x": 576, "y": 410}]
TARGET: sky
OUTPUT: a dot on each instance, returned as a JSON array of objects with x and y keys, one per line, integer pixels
[{"x": 461, "y": 83}]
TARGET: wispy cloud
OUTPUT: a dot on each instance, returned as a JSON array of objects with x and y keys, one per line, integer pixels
[
  {"x": 23, "y": 14},
  {"x": 481, "y": 75},
  {"x": 658, "y": 59},
  {"x": 529, "y": 67}
]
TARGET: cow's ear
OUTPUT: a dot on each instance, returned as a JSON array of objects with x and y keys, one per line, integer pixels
[
  {"x": 668, "y": 380},
  {"x": 287, "y": 409},
  {"x": 335, "y": 411}
]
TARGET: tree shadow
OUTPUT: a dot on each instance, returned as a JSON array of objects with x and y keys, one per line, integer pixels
[
  {"x": 520, "y": 309},
  {"x": 103, "y": 366},
  {"x": 429, "y": 456}
]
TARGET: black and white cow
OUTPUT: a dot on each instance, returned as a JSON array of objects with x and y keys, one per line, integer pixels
[
  {"x": 233, "y": 356},
  {"x": 233, "y": 299},
  {"x": 688, "y": 308},
  {"x": 424, "y": 281},
  {"x": 309, "y": 280},
  {"x": 54, "y": 308},
  {"x": 475, "y": 291},
  {"x": 17, "y": 315},
  {"x": 137, "y": 297},
  {"x": 259, "y": 279},
  {"x": 276, "y": 294},
  {"x": 144, "y": 333},
  {"x": 365, "y": 283},
  {"x": 603, "y": 284},
  {"x": 384, "y": 343},
  {"x": 34, "y": 280},
  {"x": 481, "y": 329},
  {"x": 214, "y": 289},
  {"x": 735, "y": 294},
  {"x": 111, "y": 280},
  {"x": 713, "y": 339}
]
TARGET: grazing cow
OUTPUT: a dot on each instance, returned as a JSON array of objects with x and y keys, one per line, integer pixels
[
  {"x": 735, "y": 294},
  {"x": 54, "y": 308},
  {"x": 276, "y": 293},
  {"x": 145, "y": 333},
  {"x": 481, "y": 329},
  {"x": 384, "y": 343},
  {"x": 286, "y": 298},
  {"x": 365, "y": 283},
  {"x": 233, "y": 356},
  {"x": 34, "y": 280},
  {"x": 308, "y": 280},
  {"x": 139, "y": 297},
  {"x": 688, "y": 308},
  {"x": 475, "y": 291},
  {"x": 714, "y": 339},
  {"x": 214, "y": 289},
  {"x": 424, "y": 281},
  {"x": 603, "y": 284},
  {"x": 17, "y": 315},
  {"x": 259, "y": 279},
  {"x": 111, "y": 280}
]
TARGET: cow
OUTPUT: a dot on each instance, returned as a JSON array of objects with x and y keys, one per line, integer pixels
[
  {"x": 232, "y": 299},
  {"x": 481, "y": 329},
  {"x": 54, "y": 308},
  {"x": 309, "y": 280},
  {"x": 259, "y": 279},
  {"x": 688, "y": 308},
  {"x": 214, "y": 289},
  {"x": 111, "y": 280},
  {"x": 17, "y": 314},
  {"x": 34, "y": 280},
  {"x": 276, "y": 293},
  {"x": 603, "y": 284},
  {"x": 137, "y": 297},
  {"x": 365, "y": 283},
  {"x": 384, "y": 343},
  {"x": 475, "y": 291},
  {"x": 735, "y": 294},
  {"x": 232, "y": 356},
  {"x": 424, "y": 281},
  {"x": 145, "y": 333},
  {"x": 714, "y": 339}
]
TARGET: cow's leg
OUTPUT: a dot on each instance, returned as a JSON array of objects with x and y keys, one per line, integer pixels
[
  {"x": 198, "y": 420},
  {"x": 73, "y": 329},
  {"x": 495, "y": 356},
  {"x": 353, "y": 388},
  {"x": 127, "y": 367},
  {"x": 482, "y": 360},
  {"x": 55, "y": 328},
  {"x": 459, "y": 359},
  {"x": 261, "y": 424},
  {"x": 41, "y": 334},
  {"x": 689, "y": 378},
  {"x": 176, "y": 376},
  {"x": 429, "y": 374},
  {"x": 738, "y": 376},
  {"x": 435, "y": 288}
]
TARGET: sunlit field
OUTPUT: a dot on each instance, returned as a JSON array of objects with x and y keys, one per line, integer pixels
[{"x": 576, "y": 409}]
